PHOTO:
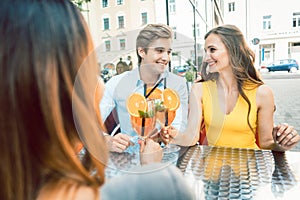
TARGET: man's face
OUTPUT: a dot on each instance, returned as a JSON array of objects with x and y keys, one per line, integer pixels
[{"x": 157, "y": 57}]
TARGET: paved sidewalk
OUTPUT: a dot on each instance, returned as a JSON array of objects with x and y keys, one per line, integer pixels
[{"x": 287, "y": 100}]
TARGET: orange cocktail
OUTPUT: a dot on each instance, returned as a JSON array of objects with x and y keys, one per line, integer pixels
[{"x": 142, "y": 114}]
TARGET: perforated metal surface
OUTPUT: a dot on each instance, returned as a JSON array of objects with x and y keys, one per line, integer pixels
[
  {"x": 229, "y": 173},
  {"x": 122, "y": 163}
]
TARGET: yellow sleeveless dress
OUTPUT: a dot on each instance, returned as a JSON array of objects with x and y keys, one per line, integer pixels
[{"x": 230, "y": 130}]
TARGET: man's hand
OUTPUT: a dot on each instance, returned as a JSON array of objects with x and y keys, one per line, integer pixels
[{"x": 118, "y": 143}]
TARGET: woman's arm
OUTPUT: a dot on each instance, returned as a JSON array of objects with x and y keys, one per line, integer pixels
[
  {"x": 265, "y": 112},
  {"x": 190, "y": 136},
  {"x": 280, "y": 138}
]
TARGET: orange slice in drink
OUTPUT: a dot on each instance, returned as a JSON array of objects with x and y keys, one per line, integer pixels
[
  {"x": 171, "y": 99},
  {"x": 136, "y": 102},
  {"x": 171, "y": 116},
  {"x": 155, "y": 94}
]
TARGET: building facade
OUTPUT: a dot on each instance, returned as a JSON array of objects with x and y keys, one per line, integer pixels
[
  {"x": 121, "y": 21},
  {"x": 190, "y": 20},
  {"x": 271, "y": 27},
  {"x": 115, "y": 24}
]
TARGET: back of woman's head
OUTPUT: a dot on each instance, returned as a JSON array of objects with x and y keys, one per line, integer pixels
[{"x": 45, "y": 49}]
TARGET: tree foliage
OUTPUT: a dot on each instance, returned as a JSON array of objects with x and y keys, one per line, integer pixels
[{"x": 79, "y": 3}]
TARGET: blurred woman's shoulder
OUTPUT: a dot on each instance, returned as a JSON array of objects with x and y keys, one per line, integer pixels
[{"x": 67, "y": 189}]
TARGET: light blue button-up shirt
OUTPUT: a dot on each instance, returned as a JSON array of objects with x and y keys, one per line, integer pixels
[{"x": 120, "y": 87}]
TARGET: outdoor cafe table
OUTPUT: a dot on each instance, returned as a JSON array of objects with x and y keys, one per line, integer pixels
[{"x": 232, "y": 173}]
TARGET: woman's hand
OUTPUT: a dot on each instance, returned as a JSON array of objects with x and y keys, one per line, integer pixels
[
  {"x": 167, "y": 134},
  {"x": 285, "y": 136},
  {"x": 150, "y": 151}
]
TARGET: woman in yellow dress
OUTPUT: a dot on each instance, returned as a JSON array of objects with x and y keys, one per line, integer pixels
[{"x": 236, "y": 106}]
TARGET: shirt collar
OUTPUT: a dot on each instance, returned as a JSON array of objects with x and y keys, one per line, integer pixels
[{"x": 136, "y": 76}]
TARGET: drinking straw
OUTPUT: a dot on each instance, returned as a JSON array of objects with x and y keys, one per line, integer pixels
[
  {"x": 167, "y": 111},
  {"x": 166, "y": 117},
  {"x": 145, "y": 89},
  {"x": 143, "y": 119}
]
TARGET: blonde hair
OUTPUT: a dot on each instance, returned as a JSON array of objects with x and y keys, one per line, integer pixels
[{"x": 150, "y": 33}]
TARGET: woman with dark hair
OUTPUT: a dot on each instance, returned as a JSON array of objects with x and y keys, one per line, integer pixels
[
  {"x": 46, "y": 97},
  {"x": 233, "y": 103}
]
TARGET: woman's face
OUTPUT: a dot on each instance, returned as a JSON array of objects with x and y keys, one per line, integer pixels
[{"x": 216, "y": 54}]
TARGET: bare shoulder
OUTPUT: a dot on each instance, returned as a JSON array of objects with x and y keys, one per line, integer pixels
[
  {"x": 67, "y": 191},
  {"x": 264, "y": 91},
  {"x": 264, "y": 95},
  {"x": 85, "y": 193},
  {"x": 197, "y": 87}
]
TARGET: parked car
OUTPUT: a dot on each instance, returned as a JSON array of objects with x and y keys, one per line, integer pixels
[
  {"x": 181, "y": 70},
  {"x": 289, "y": 65},
  {"x": 106, "y": 74}
]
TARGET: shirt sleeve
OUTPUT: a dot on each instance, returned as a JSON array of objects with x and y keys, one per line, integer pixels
[
  {"x": 107, "y": 103},
  {"x": 180, "y": 121}
]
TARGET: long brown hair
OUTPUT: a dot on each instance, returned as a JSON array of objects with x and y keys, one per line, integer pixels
[
  {"x": 44, "y": 44},
  {"x": 241, "y": 58}
]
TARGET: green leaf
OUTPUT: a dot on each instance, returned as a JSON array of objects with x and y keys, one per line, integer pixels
[
  {"x": 159, "y": 106},
  {"x": 190, "y": 76},
  {"x": 147, "y": 114},
  {"x": 79, "y": 3}
]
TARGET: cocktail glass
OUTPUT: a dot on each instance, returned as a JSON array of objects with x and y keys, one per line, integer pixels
[
  {"x": 145, "y": 124},
  {"x": 164, "y": 117}
]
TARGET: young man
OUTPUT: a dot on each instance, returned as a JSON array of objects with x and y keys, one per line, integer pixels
[{"x": 153, "y": 47}]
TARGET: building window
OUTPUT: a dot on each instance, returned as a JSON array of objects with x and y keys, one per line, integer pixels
[
  {"x": 196, "y": 4},
  {"x": 174, "y": 33},
  {"x": 120, "y": 2},
  {"x": 172, "y": 6},
  {"x": 198, "y": 30},
  {"x": 104, "y": 3},
  {"x": 144, "y": 18},
  {"x": 296, "y": 19},
  {"x": 231, "y": 6},
  {"x": 107, "y": 45},
  {"x": 199, "y": 47},
  {"x": 267, "y": 22},
  {"x": 106, "y": 23},
  {"x": 121, "y": 21},
  {"x": 122, "y": 44}
]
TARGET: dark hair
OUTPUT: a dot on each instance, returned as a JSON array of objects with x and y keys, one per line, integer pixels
[
  {"x": 43, "y": 45},
  {"x": 241, "y": 58},
  {"x": 151, "y": 33}
]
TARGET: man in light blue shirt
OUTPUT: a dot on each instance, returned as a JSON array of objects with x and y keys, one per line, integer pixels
[{"x": 153, "y": 47}]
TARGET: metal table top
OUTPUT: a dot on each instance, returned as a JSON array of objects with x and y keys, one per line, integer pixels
[
  {"x": 227, "y": 173},
  {"x": 122, "y": 163},
  {"x": 232, "y": 173}
]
